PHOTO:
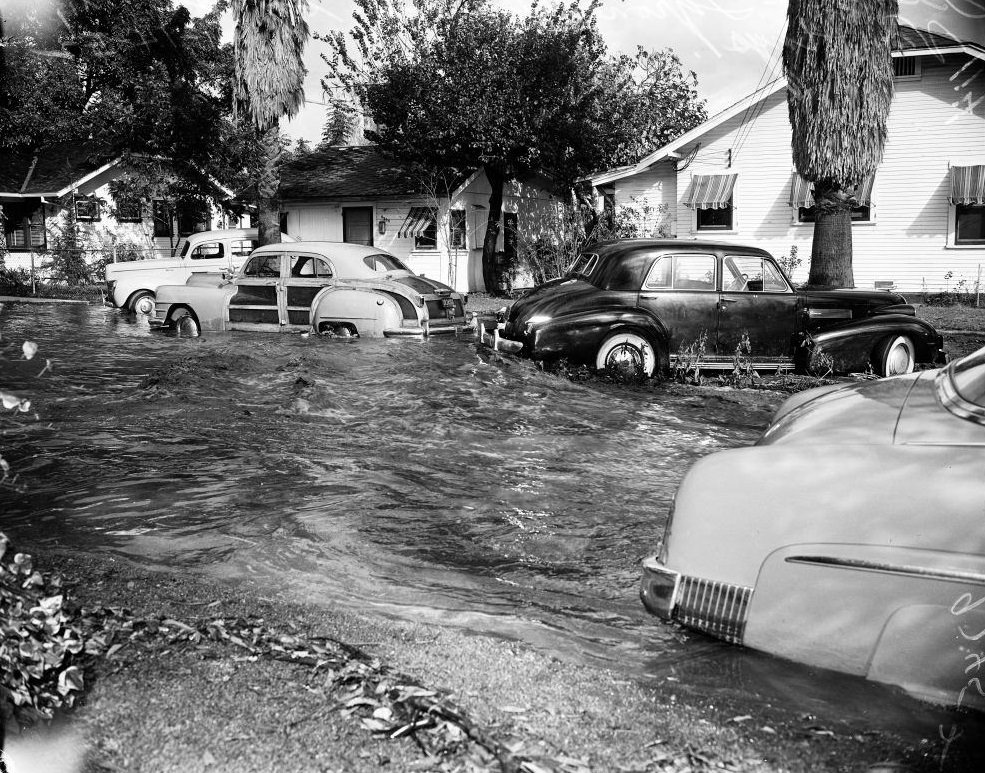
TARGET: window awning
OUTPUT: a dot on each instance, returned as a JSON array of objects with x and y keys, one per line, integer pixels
[
  {"x": 967, "y": 185},
  {"x": 417, "y": 221},
  {"x": 802, "y": 192},
  {"x": 709, "y": 191}
]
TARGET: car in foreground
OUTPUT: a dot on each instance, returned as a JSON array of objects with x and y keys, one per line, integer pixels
[
  {"x": 327, "y": 287},
  {"x": 131, "y": 285},
  {"x": 634, "y": 304},
  {"x": 851, "y": 536}
]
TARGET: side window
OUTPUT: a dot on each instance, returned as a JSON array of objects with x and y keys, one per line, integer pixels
[
  {"x": 749, "y": 274},
  {"x": 310, "y": 266},
  {"x": 694, "y": 272},
  {"x": 264, "y": 266},
  {"x": 773, "y": 281},
  {"x": 661, "y": 273},
  {"x": 207, "y": 250},
  {"x": 242, "y": 247}
]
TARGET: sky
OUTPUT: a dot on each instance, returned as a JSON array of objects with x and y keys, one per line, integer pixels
[{"x": 732, "y": 45}]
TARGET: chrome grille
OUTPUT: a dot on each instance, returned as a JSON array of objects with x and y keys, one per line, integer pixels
[{"x": 713, "y": 607}]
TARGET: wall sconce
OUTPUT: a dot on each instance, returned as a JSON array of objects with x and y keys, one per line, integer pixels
[{"x": 381, "y": 226}]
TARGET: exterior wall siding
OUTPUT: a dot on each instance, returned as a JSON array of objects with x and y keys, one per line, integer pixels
[{"x": 935, "y": 121}]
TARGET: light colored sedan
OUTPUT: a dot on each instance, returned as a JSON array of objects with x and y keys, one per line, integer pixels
[
  {"x": 850, "y": 537},
  {"x": 326, "y": 287}
]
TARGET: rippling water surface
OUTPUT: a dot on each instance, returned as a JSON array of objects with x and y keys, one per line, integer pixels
[{"x": 424, "y": 479}]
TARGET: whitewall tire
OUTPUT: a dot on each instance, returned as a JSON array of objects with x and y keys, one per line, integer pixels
[
  {"x": 627, "y": 354},
  {"x": 896, "y": 356}
]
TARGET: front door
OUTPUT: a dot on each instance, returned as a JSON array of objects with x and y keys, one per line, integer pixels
[
  {"x": 255, "y": 306},
  {"x": 682, "y": 292},
  {"x": 357, "y": 225},
  {"x": 756, "y": 301},
  {"x": 307, "y": 276}
]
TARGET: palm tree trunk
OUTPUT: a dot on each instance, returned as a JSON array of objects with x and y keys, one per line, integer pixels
[
  {"x": 268, "y": 200},
  {"x": 497, "y": 181},
  {"x": 832, "y": 239}
]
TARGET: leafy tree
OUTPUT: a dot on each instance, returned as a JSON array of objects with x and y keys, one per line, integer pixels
[
  {"x": 837, "y": 58},
  {"x": 269, "y": 84},
  {"x": 339, "y": 124},
  {"x": 454, "y": 86},
  {"x": 137, "y": 77}
]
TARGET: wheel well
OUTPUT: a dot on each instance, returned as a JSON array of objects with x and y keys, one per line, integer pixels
[
  {"x": 180, "y": 307},
  {"x": 652, "y": 337},
  {"x": 328, "y": 326},
  {"x": 136, "y": 294}
]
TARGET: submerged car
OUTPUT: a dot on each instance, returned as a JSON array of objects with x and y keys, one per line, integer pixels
[
  {"x": 633, "y": 304},
  {"x": 328, "y": 287},
  {"x": 131, "y": 285},
  {"x": 851, "y": 536}
]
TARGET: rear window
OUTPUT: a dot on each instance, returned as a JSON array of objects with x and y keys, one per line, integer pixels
[{"x": 384, "y": 262}]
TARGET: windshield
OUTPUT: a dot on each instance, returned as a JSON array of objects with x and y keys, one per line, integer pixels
[
  {"x": 961, "y": 387},
  {"x": 384, "y": 262},
  {"x": 584, "y": 265}
]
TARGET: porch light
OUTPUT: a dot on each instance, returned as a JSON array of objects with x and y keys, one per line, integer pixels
[{"x": 382, "y": 225}]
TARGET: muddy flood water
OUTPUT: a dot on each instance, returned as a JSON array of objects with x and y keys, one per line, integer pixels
[{"x": 422, "y": 480}]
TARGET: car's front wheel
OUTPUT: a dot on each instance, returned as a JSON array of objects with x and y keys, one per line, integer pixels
[
  {"x": 627, "y": 354},
  {"x": 183, "y": 322},
  {"x": 895, "y": 356},
  {"x": 142, "y": 303}
]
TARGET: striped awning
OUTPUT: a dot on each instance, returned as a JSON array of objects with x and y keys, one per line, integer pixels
[
  {"x": 709, "y": 191},
  {"x": 802, "y": 191},
  {"x": 417, "y": 221},
  {"x": 967, "y": 185}
]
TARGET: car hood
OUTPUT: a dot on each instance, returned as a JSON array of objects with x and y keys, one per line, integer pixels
[
  {"x": 141, "y": 265},
  {"x": 862, "y": 302},
  {"x": 866, "y": 413}
]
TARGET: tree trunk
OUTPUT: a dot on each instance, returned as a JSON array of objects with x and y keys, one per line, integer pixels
[
  {"x": 268, "y": 199},
  {"x": 497, "y": 181},
  {"x": 831, "y": 251}
]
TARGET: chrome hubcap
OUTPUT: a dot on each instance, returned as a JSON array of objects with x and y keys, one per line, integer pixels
[
  {"x": 145, "y": 306},
  {"x": 899, "y": 361},
  {"x": 625, "y": 359}
]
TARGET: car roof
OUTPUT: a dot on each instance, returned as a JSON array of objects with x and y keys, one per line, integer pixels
[
  {"x": 219, "y": 233},
  {"x": 674, "y": 245},
  {"x": 347, "y": 257}
]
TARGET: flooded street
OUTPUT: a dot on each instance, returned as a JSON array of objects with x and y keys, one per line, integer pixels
[{"x": 422, "y": 480}]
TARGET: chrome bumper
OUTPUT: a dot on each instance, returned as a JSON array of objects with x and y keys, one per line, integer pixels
[
  {"x": 716, "y": 608},
  {"x": 496, "y": 342}
]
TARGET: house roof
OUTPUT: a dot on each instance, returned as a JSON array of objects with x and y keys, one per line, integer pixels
[
  {"x": 910, "y": 42},
  {"x": 350, "y": 172},
  {"x": 52, "y": 171}
]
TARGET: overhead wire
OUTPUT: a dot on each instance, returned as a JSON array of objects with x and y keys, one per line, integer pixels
[{"x": 752, "y": 113}]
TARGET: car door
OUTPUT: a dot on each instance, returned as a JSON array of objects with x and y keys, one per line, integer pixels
[
  {"x": 256, "y": 304},
  {"x": 208, "y": 258},
  {"x": 308, "y": 275},
  {"x": 681, "y": 290},
  {"x": 756, "y": 300}
]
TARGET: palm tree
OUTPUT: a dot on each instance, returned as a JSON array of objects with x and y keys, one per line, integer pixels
[
  {"x": 838, "y": 63},
  {"x": 269, "y": 84}
]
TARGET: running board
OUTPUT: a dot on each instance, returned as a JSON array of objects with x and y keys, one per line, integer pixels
[{"x": 728, "y": 363}]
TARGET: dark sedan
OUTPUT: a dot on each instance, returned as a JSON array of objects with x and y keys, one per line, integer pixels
[{"x": 635, "y": 303}]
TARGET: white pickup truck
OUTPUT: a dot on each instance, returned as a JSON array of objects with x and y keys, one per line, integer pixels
[{"x": 131, "y": 285}]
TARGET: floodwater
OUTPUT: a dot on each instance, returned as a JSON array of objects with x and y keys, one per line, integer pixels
[{"x": 425, "y": 480}]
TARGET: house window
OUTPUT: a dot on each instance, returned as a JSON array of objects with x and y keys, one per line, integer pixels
[
  {"x": 710, "y": 196},
  {"x": 969, "y": 224},
  {"x": 457, "y": 230},
  {"x": 128, "y": 210},
  {"x": 860, "y": 214},
  {"x": 715, "y": 218},
  {"x": 192, "y": 217},
  {"x": 87, "y": 209},
  {"x": 162, "y": 219},
  {"x": 427, "y": 239},
  {"x": 906, "y": 68},
  {"x": 18, "y": 234}
]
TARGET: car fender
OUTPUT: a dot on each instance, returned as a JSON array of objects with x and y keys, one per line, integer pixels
[
  {"x": 853, "y": 344},
  {"x": 578, "y": 335},
  {"x": 371, "y": 312},
  {"x": 800, "y": 609},
  {"x": 209, "y": 304}
]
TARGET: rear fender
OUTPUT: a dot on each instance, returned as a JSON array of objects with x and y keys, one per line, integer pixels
[
  {"x": 852, "y": 345},
  {"x": 578, "y": 336},
  {"x": 371, "y": 312}
]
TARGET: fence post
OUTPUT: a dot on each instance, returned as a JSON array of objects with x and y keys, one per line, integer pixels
[
  {"x": 978, "y": 285},
  {"x": 34, "y": 290}
]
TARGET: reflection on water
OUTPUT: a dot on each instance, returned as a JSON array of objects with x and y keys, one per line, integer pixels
[{"x": 423, "y": 479}]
